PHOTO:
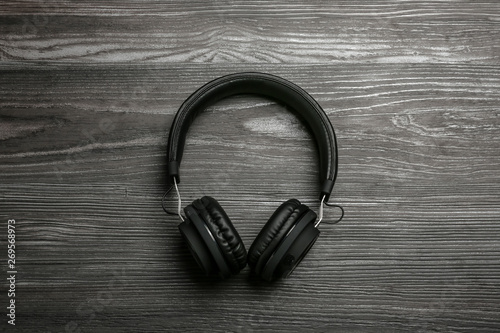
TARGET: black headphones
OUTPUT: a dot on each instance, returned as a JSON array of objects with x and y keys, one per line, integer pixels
[{"x": 292, "y": 229}]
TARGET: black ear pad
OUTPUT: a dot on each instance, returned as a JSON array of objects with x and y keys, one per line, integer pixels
[
  {"x": 225, "y": 234},
  {"x": 273, "y": 233}
]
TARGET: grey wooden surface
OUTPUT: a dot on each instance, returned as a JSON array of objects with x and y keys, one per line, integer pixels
[{"x": 88, "y": 91}]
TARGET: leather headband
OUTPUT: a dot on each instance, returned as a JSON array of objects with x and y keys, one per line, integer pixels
[{"x": 265, "y": 85}]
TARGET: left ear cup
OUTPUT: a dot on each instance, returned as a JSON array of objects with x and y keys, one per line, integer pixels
[
  {"x": 269, "y": 238},
  {"x": 225, "y": 234},
  {"x": 212, "y": 238}
]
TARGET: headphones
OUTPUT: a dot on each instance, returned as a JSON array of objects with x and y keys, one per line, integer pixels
[{"x": 292, "y": 229}]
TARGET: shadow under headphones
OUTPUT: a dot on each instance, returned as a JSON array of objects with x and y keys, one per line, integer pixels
[{"x": 292, "y": 229}]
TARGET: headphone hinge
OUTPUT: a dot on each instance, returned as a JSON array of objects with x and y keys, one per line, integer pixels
[
  {"x": 326, "y": 190},
  {"x": 173, "y": 171}
]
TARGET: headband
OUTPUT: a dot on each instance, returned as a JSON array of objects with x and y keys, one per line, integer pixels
[{"x": 270, "y": 86}]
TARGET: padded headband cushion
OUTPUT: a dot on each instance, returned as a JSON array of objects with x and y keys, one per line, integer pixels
[
  {"x": 273, "y": 232},
  {"x": 225, "y": 234},
  {"x": 267, "y": 85}
]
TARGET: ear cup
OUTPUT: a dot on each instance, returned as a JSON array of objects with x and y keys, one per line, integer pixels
[
  {"x": 198, "y": 248},
  {"x": 278, "y": 226},
  {"x": 203, "y": 234},
  {"x": 225, "y": 234}
]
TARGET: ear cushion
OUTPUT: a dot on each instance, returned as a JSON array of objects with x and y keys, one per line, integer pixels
[
  {"x": 273, "y": 232},
  {"x": 224, "y": 232}
]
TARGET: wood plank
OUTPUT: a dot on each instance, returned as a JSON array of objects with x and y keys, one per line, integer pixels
[
  {"x": 251, "y": 31},
  {"x": 82, "y": 170}
]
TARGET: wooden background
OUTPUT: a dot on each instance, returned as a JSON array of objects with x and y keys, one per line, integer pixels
[{"x": 88, "y": 90}]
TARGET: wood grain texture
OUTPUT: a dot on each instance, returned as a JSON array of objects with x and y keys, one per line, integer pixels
[
  {"x": 224, "y": 31},
  {"x": 89, "y": 89},
  {"x": 418, "y": 249}
]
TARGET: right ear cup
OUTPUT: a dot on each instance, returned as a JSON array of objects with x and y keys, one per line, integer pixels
[
  {"x": 275, "y": 230},
  {"x": 214, "y": 232}
]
